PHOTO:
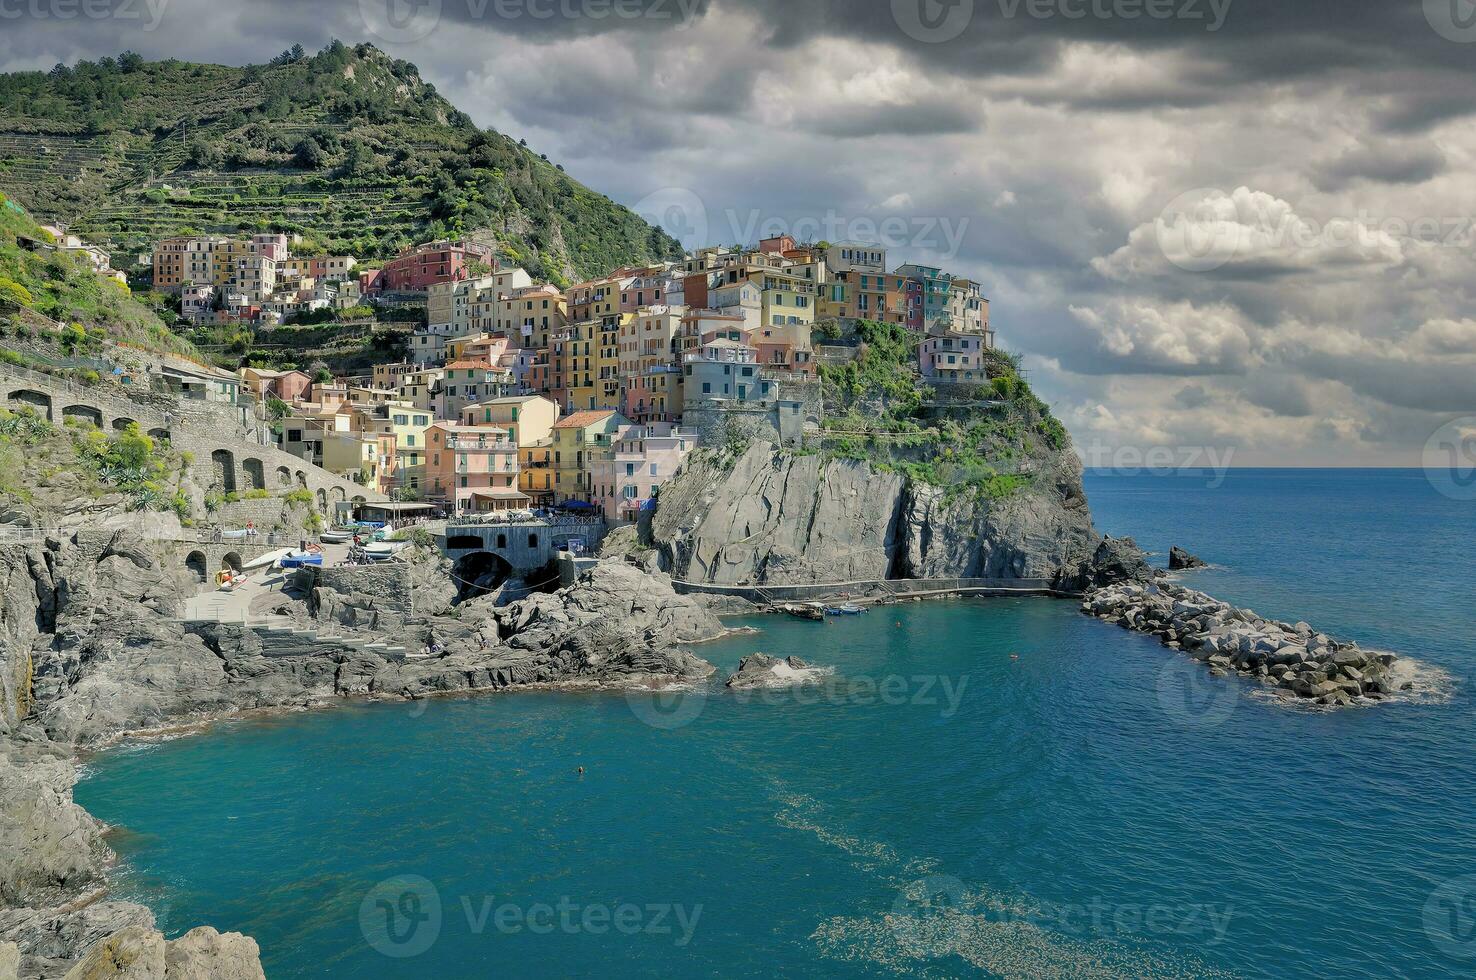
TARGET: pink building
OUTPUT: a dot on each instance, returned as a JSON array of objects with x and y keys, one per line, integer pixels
[
  {"x": 472, "y": 468},
  {"x": 953, "y": 356},
  {"x": 425, "y": 265},
  {"x": 641, "y": 459}
]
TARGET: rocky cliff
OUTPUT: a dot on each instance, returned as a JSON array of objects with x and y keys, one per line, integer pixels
[
  {"x": 90, "y": 652},
  {"x": 768, "y": 516}
]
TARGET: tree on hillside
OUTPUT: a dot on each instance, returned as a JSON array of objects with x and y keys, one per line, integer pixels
[{"x": 309, "y": 154}]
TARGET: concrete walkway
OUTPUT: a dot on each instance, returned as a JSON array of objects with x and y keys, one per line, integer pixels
[{"x": 252, "y": 601}]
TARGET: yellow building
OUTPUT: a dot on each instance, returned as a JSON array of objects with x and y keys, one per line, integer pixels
[
  {"x": 787, "y": 298},
  {"x": 535, "y": 469},
  {"x": 592, "y": 363},
  {"x": 578, "y": 440},
  {"x": 530, "y": 418},
  {"x": 408, "y": 424}
]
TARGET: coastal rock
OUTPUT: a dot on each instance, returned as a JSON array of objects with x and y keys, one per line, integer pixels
[
  {"x": 204, "y": 954},
  {"x": 1181, "y": 560},
  {"x": 1228, "y": 640},
  {"x": 89, "y": 652},
  {"x": 772, "y": 517},
  {"x": 134, "y": 953},
  {"x": 9, "y": 961},
  {"x": 762, "y": 670}
]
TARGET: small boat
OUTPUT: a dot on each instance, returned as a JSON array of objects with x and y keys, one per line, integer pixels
[
  {"x": 270, "y": 558},
  {"x": 382, "y": 550},
  {"x": 337, "y": 535},
  {"x": 849, "y": 609},
  {"x": 298, "y": 559}
]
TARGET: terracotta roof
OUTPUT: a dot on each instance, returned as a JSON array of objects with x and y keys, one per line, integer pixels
[{"x": 580, "y": 419}]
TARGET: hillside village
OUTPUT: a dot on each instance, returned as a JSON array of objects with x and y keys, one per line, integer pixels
[{"x": 514, "y": 393}]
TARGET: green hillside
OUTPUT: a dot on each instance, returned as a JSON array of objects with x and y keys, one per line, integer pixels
[
  {"x": 55, "y": 299},
  {"x": 348, "y": 147}
]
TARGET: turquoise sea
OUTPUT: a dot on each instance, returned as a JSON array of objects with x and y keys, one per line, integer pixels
[{"x": 1095, "y": 807}]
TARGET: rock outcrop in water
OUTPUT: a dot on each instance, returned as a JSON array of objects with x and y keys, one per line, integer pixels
[
  {"x": 89, "y": 652},
  {"x": 762, "y": 670},
  {"x": 1181, "y": 560},
  {"x": 770, "y": 517},
  {"x": 1292, "y": 657}
]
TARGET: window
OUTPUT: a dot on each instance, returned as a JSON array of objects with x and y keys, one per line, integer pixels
[{"x": 653, "y": 469}]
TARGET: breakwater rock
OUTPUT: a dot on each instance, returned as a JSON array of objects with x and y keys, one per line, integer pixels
[{"x": 1294, "y": 658}]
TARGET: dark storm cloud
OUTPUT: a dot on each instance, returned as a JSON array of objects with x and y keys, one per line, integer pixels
[
  {"x": 785, "y": 110},
  {"x": 1389, "y": 163}
]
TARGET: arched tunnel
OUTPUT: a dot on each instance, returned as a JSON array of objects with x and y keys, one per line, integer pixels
[{"x": 479, "y": 573}]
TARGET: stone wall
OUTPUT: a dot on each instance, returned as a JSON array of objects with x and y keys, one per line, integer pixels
[
  {"x": 225, "y": 458},
  {"x": 720, "y": 422}
]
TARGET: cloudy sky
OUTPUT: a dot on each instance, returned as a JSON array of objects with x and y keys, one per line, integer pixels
[{"x": 1232, "y": 225}]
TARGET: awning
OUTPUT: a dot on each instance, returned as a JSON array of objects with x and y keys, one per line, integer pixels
[{"x": 499, "y": 493}]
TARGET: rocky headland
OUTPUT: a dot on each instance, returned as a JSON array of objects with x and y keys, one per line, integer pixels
[{"x": 92, "y": 652}]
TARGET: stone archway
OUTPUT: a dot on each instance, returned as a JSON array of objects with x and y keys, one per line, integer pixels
[
  {"x": 255, "y": 473},
  {"x": 479, "y": 573},
  {"x": 159, "y": 435},
  {"x": 322, "y": 500},
  {"x": 122, "y": 422},
  {"x": 39, "y": 401},
  {"x": 224, "y": 463},
  {"x": 338, "y": 495},
  {"x": 284, "y": 476},
  {"x": 302, "y": 480},
  {"x": 83, "y": 413},
  {"x": 230, "y": 560},
  {"x": 197, "y": 563}
]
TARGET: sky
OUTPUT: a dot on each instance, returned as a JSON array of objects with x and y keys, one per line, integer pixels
[{"x": 1227, "y": 230}]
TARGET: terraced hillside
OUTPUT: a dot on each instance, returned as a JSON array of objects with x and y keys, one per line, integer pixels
[{"x": 348, "y": 147}]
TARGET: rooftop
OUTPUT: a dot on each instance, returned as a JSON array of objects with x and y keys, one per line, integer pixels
[{"x": 580, "y": 419}]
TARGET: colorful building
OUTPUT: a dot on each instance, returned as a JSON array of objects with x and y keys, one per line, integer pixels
[
  {"x": 578, "y": 440},
  {"x": 472, "y": 468},
  {"x": 640, "y": 460}
]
